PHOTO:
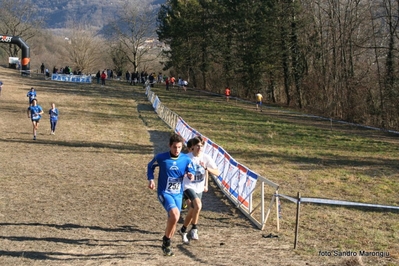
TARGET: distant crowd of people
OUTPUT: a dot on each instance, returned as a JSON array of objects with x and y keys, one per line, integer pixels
[
  {"x": 135, "y": 78},
  {"x": 67, "y": 70}
]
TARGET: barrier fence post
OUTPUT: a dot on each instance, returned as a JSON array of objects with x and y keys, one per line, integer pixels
[
  {"x": 298, "y": 209},
  {"x": 262, "y": 206},
  {"x": 278, "y": 210}
]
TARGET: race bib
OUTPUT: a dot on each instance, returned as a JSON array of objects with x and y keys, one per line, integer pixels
[
  {"x": 174, "y": 185},
  {"x": 199, "y": 177}
]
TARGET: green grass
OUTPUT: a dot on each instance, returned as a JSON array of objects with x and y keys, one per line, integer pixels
[
  {"x": 258, "y": 138},
  {"x": 310, "y": 156}
]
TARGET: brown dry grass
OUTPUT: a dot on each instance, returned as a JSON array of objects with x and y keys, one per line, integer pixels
[{"x": 80, "y": 197}]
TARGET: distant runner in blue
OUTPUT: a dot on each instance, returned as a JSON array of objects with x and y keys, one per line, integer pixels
[
  {"x": 35, "y": 112},
  {"x": 31, "y": 95},
  {"x": 1, "y": 86},
  {"x": 173, "y": 166},
  {"x": 53, "y": 112}
]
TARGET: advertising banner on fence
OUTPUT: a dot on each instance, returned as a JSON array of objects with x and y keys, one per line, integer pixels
[
  {"x": 71, "y": 78},
  {"x": 237, "y": 179},
  {"x": 156, "y": 103}
]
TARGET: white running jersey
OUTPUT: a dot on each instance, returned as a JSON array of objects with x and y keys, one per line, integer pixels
[{"x": 198, "y": 182}]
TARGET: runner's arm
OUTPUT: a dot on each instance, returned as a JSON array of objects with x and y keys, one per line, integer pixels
[
  {"x": 150, "y": 173},
  {"x": 213, "y": 171}
]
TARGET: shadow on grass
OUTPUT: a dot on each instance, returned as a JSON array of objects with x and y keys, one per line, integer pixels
[
  {"x": 83, "y": 241},
  {"x": 359, "y": 208},
  {"x": 37, "y": 255},
  {"x": 183, "y": 249},
  {"x": 121, "y": 229},
  {"x": 333, "y": 161},
  {"x": 159, "y": 131},
  {"x": 83, "y": 144}
]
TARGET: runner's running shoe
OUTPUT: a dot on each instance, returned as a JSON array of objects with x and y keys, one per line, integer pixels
[
  {"x": 184, "y": 237},
  {"x": 194, "y": 234},
  {"x": 167, "y": 251}
]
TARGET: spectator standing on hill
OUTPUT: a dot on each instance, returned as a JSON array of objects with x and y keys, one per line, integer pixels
[
  {"x": 173, "y": 166},
  {"x": 259, "y": 99},
  {"x": 119, "y": 75},
  {"x": 42, "y": 68},
  {"x": 193, "y": 189},
  {"x": 1, "y": 86},
  {"x": 172, "y": 81},
  {"x": 151, "y": 80},
  {"x": 98, "y": 76},
  {"x": 31, "y": 95},
  {"x": 179, "y": 83},
  {"x": 227, "y": 93},
  {"x": 53, "y": 112},
  {"x": 167, "y": 83},
  {"x": 35, "y": 112},
  {"x": 103, "y": 78},
  {"x": 135, "y": 78},
  {"x": 127, "y": 76}
]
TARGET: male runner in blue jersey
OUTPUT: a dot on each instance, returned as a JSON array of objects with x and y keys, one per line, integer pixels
[
  {"x": 173, "y": 166},
  {"x": 31, "y": 95},
  {"x": 35, "y": 112}
]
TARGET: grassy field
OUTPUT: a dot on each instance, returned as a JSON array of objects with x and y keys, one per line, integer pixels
[
  {"x": 84, "y": 200},
  {"x": 313, "y": 156}
]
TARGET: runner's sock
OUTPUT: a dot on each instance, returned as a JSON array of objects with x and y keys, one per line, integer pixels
[{"x": 166, "y": 241}]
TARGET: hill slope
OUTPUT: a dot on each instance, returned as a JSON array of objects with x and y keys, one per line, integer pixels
[
  {"x": 80, "y": 197},
  {"x": 97, "y": 13}
]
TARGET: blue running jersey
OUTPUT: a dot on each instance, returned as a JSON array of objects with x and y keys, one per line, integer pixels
[
  {"x": 53, "y": 114},
  {"x": 35, "y": 112},
  {"x": 31, "y": 95},
  {"x": 171, "y": 172}
]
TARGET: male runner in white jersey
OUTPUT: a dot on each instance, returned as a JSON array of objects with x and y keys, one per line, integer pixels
[{"x": 193, "y": 189}]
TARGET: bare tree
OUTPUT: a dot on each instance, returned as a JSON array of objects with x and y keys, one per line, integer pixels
[
  {"x": 85, "y": 48},
  {"x": 18, "y": 18},
  {"x": 133, "y": 26}
]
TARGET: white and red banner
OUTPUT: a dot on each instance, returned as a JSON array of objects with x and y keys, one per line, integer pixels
[{"x": 238, "y": 180}]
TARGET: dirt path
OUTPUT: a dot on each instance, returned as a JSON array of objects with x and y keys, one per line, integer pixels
[{"x": 80, "y": 197}]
